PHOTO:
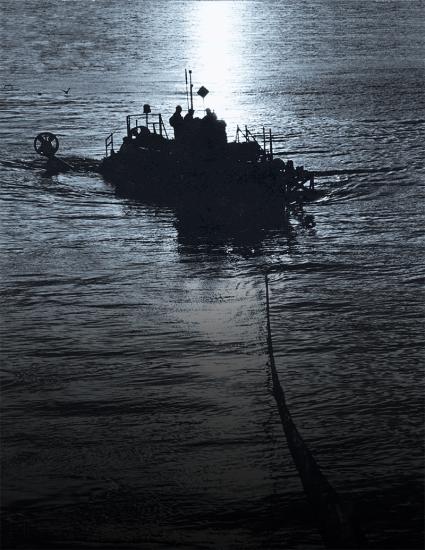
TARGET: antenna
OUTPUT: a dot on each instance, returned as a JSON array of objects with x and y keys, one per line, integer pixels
[
  {"x": 191, "y": 89},
  {"x": 187, "y": 93}
]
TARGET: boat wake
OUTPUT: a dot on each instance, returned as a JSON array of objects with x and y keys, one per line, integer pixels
[{"x": 76, "y": 164}]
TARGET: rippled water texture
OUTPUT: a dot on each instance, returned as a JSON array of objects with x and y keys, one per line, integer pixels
[{"x": 136, "y": 396}]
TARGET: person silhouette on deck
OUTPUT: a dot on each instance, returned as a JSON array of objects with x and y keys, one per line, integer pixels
[
  {"x": 213, "y": 131},
  {"x": 209, "y": 118},
  {"x": 189, "y": 116},
  {"x": 177, "y": 122},
  {"x": 191, "y": 129},
  {"x": 290, "y": 170}
]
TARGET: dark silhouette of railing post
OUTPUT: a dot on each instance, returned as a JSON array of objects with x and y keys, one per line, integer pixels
[
  {"x": 109, "y": 143},
  {"x": 271, "y": 144}
]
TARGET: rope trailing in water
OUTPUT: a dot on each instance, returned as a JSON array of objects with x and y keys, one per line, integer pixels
[{"x": 337, "y": 527}]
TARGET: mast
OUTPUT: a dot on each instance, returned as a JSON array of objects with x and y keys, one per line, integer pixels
[
  {"x": 187, "y": 93},
  {"x": 191, "y": 89}
]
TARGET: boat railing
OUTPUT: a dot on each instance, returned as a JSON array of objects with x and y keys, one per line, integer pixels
[
  {"x": 155, "y": 123},
  {"x": 265, "y": 137},
  {"x": 151, "y": 121},
  {"x": 109, "y": 142}
]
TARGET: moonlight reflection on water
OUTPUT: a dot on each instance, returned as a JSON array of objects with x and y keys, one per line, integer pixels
[{"x": 136, "y": 402}]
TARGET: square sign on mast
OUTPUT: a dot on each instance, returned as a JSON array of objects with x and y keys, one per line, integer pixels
[{"x": 202, "y": 92}]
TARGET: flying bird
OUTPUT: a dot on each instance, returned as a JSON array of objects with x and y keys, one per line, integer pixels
[{"x": 66, "y": 91}]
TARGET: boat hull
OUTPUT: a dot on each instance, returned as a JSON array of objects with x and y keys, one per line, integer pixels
[{"x": 219, "y": 182}]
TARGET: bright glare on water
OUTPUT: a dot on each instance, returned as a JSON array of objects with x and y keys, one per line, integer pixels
[{"x": 136, "y": 395}]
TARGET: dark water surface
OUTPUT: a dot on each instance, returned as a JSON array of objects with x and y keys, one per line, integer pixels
[{"x": 136, "y": 404}]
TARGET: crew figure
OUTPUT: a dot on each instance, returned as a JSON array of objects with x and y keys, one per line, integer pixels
[
  {"x": 206, "y": 133},
  {"x": 176, "y": 121},
  {"x": 189, "y": 116},
  {"x": 290, "y": 170},
  {"x": 191, "y": 127},
  {"x": 209, "y": 115},
  {"x": 213, "y": 130}
]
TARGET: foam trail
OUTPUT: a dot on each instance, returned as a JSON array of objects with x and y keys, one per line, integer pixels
[{"x": 357, "y": 171}]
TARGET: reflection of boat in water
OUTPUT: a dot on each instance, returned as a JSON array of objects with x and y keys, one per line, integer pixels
[
  {"x": 198, "y": 231},
  {"x": 201, "y": 168},
  {"x": 201, "y": 232}
]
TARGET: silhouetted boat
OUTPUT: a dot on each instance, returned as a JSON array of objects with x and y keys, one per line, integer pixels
[{"x": 200, "y": 167}]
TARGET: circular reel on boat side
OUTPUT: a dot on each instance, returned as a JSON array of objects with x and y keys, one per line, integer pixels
[
  {"x": 46, "y": 144},
  {"x": 139, "y": 132},
  {"x": 134, "y": 132}
]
